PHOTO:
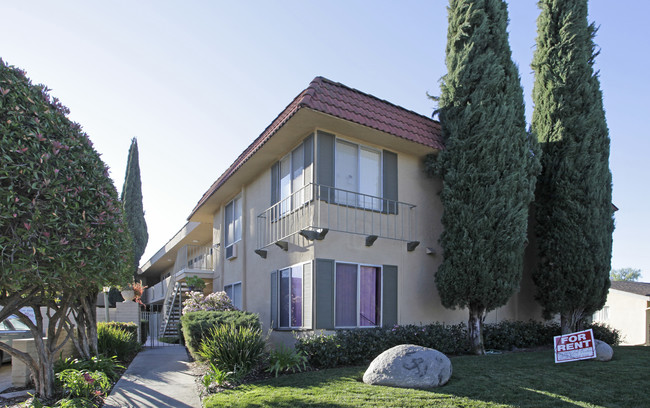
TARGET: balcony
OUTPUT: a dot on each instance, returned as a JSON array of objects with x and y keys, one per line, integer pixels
[
  {"x": 194, "y": 260},
  {"x": 191, "y": 260},
  {"x": 314, "y": 210}
]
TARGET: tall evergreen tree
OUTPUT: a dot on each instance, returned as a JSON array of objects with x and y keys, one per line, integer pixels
[
  {"x": 488, "y": 166},
  {"x": 573, "y": 206},
  {"x": 132, "y": 202}
]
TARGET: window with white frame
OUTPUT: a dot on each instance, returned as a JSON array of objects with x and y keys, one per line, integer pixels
[
  {"x": 234, "y": 293},
  {"x": 291, "y": 297},
  {"x": 233, "y": 223},
  {"x": 358, "y": 177},
  {"x": 602, "y": 315},
  {"x": 357, "y": 295},
  {"x": 292, "y": 180}
]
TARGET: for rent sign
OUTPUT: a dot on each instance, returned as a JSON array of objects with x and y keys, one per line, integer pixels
[{"x": 575, "y": 346}]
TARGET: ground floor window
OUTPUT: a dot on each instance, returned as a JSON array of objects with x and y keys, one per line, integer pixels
[
  {"x": 357, "y": 295},
  {"x": 234, "y": 293},
  {"x": 291, "y": 297}
]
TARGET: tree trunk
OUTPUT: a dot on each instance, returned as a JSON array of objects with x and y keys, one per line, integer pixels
[
  {"x": 475, "y": 326},
  {"x": 570, "y": 320}
]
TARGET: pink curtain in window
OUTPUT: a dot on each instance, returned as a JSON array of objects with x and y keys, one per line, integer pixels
[
  {"x": 369, "y": 296},
  {"x": 285, "y": 297},
  {"x": 346, "y": 295},
  {"x": 296, "y": 297}
]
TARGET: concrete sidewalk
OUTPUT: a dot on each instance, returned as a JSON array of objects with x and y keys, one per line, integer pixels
[{"x": 157, "y": 377}]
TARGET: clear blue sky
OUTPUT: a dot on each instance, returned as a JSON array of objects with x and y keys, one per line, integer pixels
[{"x": 197, "y": 81}]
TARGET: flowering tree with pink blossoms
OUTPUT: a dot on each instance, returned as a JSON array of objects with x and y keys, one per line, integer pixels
[{"x": 62, "y": 235}]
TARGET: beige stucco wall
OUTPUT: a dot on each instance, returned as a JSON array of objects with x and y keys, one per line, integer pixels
[
  {"x": 628, "y": 313},
  {"x": 418, "y": 299}
]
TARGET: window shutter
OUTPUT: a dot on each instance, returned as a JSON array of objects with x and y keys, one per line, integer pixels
[
  {"x": 325, "y": 165},
  {"x": 389, "y": 289},
  {"x": 324, "y": 289},
  {"x": 275, "y": 183},
  {"x": 307, "y": 296},
  {"x": 308, "y": 167},
  {"x": 390, "y": 181},
  {"x": 274, "y": 299}
]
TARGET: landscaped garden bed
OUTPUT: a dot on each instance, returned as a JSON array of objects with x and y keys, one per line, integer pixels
[{"x": 85, "y": 383}]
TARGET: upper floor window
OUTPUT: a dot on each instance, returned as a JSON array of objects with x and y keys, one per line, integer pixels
[
  {"x": 358, "y": 177},
  {"x": 355, "y": 175},
  {"x": 233, "y": 226},
  {"x": 289, "y": 177}
]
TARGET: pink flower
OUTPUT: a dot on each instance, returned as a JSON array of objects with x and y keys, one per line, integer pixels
[
  {"x": 27, "y": 226},
  {"x": 88, "y": 378}
]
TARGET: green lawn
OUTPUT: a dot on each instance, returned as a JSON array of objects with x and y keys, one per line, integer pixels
[{"x": 527, "y": 379}]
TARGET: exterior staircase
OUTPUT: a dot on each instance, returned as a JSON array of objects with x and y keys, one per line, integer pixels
[{"x": 172, "y": 310}]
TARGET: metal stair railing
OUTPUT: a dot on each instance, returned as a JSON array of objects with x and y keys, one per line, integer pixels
[{"x": 170, "y": 306}]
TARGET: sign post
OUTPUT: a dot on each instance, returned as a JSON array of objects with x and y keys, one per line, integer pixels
[{"x": 574, "y": 346}]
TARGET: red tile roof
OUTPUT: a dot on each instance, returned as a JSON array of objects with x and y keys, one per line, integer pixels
[{"x": 346, "y": 103}]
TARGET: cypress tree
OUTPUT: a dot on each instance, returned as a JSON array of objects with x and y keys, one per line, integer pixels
[
  {"x": 573, "y": 207},
  {"x": 132, "y": 203},
  {"x": 488, "y": 166}
]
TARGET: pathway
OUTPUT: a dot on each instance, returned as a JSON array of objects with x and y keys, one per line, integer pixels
[{"x": 157, "y": 377}]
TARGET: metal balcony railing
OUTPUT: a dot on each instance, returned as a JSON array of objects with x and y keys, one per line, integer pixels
[
  {"x": 194, "y": 257},
  {"x": 315, "y": 209}
]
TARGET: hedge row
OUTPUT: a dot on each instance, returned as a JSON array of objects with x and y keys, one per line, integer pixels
[
  {"x": 195, "y": 325},
  {"x": 357, "y": 347}
]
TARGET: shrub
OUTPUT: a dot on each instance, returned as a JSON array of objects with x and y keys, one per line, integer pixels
[
  {"x": 218, "y": 377},
  {"x": 196, "y": 324},
  {"x": 195, "y": 283},
  {"x": 233, "y": 348},
  {"x": 284, "y": 359},
  {"x": 113, "y": 340},
  {"x": 356, "y": 347},
  {"x": 107, "y": 365},
  {"x": 83, "y": 384},
  {"x": 217, "y": 301},
  {"x": 605, "y": 333},
  {"x": 129, "y": 327},
  {"x": 507, "y": 335}
]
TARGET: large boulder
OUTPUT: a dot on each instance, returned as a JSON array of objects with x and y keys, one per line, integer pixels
[
  {"x": 409, "y": 366},
  {"x": 604, "y": 351}
]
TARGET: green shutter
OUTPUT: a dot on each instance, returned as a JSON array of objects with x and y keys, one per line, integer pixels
[
  {"x": 325, "y": 165},
  {"x": 324, "y": 289},
  {"x": 275, "y": 183},
  {"x": 308, "y": 145},
  {"x": 390, "y": 181},
  {"x": 307, "y": 295},
  {"x": 274, "y": 299},
  {"x": 389, "y": 289}
]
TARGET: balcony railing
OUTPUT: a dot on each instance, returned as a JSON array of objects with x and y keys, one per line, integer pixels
[
  {"x": 314, "y": 210},
  {"x": 194, "y": 257},
  {"x": 190, "y": 259}
]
